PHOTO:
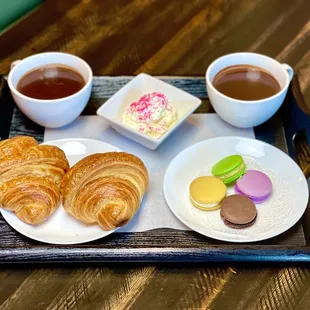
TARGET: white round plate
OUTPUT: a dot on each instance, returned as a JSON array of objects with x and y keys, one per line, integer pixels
[
  {"x": 277, "y": 214},
  {"x": 61, "y": 227}
]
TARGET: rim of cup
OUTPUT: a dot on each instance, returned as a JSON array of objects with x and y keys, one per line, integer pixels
[
  {"x": 283, "y": 89},
  {"x": 13, "y": 88}
]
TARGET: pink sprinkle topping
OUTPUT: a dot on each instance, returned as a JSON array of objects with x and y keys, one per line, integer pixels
[{"x": 147, "y": 105}]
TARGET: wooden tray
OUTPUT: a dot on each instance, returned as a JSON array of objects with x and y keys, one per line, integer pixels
[{"x": 160, "y": 245}]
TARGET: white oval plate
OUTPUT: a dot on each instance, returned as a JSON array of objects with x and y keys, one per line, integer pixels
[
  {"x": 277, "y": 214},
  {"x": 61, "y": 227}
]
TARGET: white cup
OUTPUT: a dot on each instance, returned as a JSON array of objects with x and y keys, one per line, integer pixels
[
  {"x": 248, "y": 113},
  {"x": 56, "y": 112}
]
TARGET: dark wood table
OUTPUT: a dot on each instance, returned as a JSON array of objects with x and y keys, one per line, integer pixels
[{"x": 161, "y": 37}]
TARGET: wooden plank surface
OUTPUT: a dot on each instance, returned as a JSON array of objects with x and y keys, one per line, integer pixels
[{"x": 172, "y": 38}]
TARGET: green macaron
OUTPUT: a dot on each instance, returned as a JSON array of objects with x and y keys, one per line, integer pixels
[{"x": 229, "y": 169}]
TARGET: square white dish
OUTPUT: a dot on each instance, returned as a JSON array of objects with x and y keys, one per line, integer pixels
[{"x": 142, "y": 84}]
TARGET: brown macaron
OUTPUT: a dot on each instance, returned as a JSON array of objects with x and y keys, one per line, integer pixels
[{"x": 238, "y": 211}]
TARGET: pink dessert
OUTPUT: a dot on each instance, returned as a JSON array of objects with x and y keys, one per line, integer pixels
[
  {"x": 254, "y": 184},
  {"x": 151, "y": 114}
]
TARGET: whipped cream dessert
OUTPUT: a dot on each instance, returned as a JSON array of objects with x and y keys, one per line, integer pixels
[{"x": 151, "y": 115}]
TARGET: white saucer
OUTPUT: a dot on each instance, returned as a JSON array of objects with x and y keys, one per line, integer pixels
[
  {"x": 277, "y": 214},
  {"x": 62, "y": 228}
]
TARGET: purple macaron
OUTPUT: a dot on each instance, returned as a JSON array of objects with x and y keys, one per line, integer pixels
[{"x": 254, "y": 184}]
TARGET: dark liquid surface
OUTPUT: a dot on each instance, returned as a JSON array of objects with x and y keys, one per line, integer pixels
[
  {"x": 245, "y": 82},
  {"x": 50, "y": 82}
]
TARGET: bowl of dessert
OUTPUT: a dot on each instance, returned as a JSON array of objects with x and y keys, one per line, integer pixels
[{"x": 147, "y": 110}]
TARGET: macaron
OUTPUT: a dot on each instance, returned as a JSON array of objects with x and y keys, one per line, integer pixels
[
  {"x": 207, "y": 192},
  {"x": 238, "y": 211},
  {"x": 229, "y": 169},
  {"x": 254, "y": 184}
]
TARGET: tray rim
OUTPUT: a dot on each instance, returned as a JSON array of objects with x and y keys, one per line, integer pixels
[{"x": 91, "y": 254}]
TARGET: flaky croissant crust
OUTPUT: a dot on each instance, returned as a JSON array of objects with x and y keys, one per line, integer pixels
[
  {"x": 15, "y": 145},
  {"x": 105, "y": 188},
  {"x": 30, "y": 178}
]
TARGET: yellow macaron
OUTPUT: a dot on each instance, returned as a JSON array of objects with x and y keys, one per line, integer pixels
[{"x": 207, "y": 193}]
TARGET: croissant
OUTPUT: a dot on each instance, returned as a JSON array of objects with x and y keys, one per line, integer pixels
[
  {"x": 30, "y": 178},
  {"x": 15, "y": 145},
  {"x": 105, "y": 188}
]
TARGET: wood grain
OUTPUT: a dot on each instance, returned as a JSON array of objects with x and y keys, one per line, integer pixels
[
  {"x": 122, "y": 37},
  {"x": 119, "y": 37}
]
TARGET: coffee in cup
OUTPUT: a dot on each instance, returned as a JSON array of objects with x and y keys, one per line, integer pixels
[
  {"x": 246, "y": 82},
  {"x": 52, "y": 81}
]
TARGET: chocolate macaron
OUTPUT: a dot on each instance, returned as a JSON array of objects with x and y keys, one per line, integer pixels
[{"x": 238, "y": 211}]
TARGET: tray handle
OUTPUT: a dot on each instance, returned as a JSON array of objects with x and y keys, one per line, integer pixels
[
  {"x": 300, "y": 100},
  {"x": 300, "y": 137},
  {"x": 6, "y": 108},
  {"x": 301, "y": 124}
]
